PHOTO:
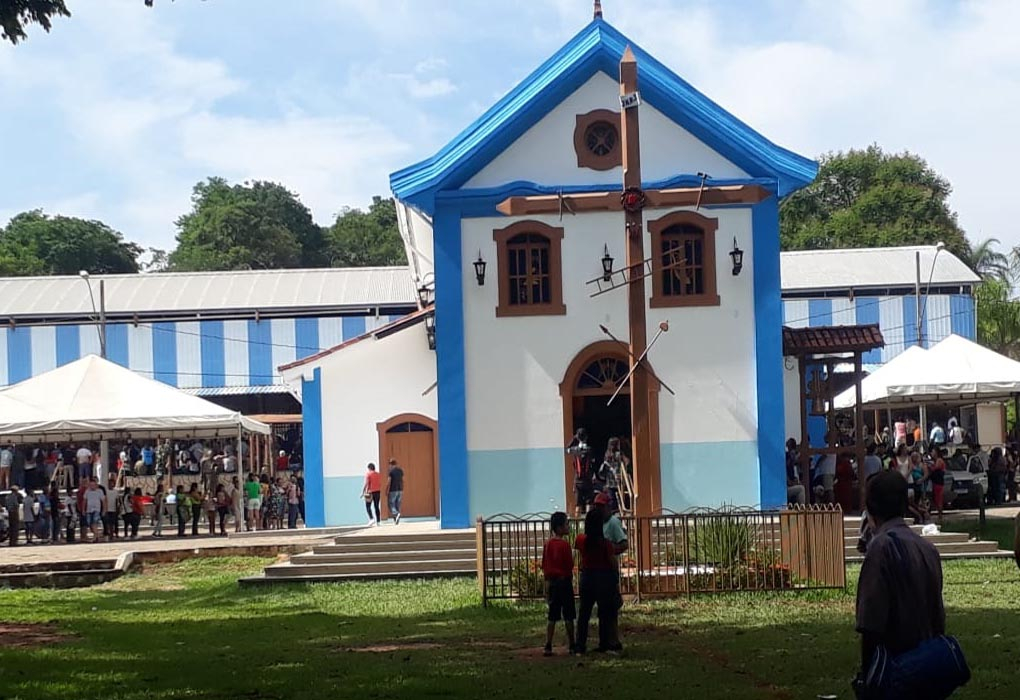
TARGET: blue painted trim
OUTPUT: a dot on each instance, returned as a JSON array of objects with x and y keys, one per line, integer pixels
[
  {"x": 598, "y": 47},
  {"x": 19, "y": 354},
  {"x": 768, "y": 342},
  {"x": 819, "y": 311},
  {"x": 306, "y": 337},
  {"x": 867, "y": 311},
  {"x": 117, "y": 344},
  {"x": 164, "y": 352},
  {"x": 909, "y": 321},
  {"x": 353, "y": 327},
  {"x": 311, "y": 413},
  {"x": 260, "y": 354},
  {"x": 213, "y": 360},
  {"x": 454, "y": 500},
  {"x": 68, "y": 344},
  {"x": 962, "y": 316}
]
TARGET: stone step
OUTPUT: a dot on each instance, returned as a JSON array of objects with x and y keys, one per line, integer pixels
[
  {"x": 951, "y": 556},
  {"x": 59, "y": 579},
  {"x": 322, "y": 555},
  {"x": 58, "y": 566},
  {"x": 940, "y": 538},
  {"x": 332, "y": 578},
  {"x": 977, "y": 548},
  {"x": 391, "y": 536},
  {"x": 410, "y": 568}
]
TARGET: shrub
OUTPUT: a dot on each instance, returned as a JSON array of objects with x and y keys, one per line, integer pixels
[{"x": 527, "y": 580}]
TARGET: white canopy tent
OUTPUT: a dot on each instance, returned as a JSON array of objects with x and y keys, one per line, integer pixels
[
  {"x": 93, "y": 398},
  {"x": 956, "y": 370}
]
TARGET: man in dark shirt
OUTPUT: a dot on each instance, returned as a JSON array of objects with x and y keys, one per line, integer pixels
[
  {"x": 899, "y": 592},
  {"x": 395, "y": 490}
]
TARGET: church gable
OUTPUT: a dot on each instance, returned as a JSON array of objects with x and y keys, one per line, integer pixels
[
  {"x": 578, "y": 143},
  {"x": 486, "y": 152}
]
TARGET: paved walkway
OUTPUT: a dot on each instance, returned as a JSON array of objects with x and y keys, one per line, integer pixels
[{"x": 42, "y": 553}]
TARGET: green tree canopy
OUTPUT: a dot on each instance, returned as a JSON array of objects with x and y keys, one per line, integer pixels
[
  {"x": 869, "y": 198},
  {"x": 257, "y": 225},
  {"x": 33, "y": 243},
  {"x": 366, "y": 238}
]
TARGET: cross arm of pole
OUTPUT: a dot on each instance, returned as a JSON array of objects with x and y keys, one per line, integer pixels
[{"x": 642, "y": 360}]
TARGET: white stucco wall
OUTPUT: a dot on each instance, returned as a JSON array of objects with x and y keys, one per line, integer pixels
[
  {"x": 368, "y": 383},
  {"x": 513, "y": 366},
  {"x": 545, "y": 153}
]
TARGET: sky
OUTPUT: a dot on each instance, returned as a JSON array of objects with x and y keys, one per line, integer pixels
[{"x": 121, "y": 109}]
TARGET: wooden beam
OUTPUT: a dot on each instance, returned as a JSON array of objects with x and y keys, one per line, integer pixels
[{"x": 610, "y": 201}]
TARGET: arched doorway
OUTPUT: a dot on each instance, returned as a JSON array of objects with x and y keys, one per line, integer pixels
[
  {"x": 412, "y": 440},
  {"x": 588, "y": 383}
]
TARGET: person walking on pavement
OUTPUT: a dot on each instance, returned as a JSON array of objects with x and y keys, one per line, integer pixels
[
  {"x": 395, "y": 490},
  {"x": 372, "y": 493}
]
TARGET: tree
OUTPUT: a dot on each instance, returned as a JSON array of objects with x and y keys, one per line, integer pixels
[
  {"x": 868, "y": 198},
  {"x": 258, "y": 225},
  {"x": 362, "y": 239},
  {"x": 15, "y": 15},
  {"x": 36, "y": 244},
  {"x": 998, "y": 317},
  {"x": 988, "y": 262}
]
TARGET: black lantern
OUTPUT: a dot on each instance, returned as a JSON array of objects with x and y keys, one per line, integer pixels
[
  {"x": 430, "y": 330},
  {"x": 425, "y": 295},
  {"x": 607, "y": 265},
  {"x": 738, "y": 258},
  {"x": 480, "y": 269}
]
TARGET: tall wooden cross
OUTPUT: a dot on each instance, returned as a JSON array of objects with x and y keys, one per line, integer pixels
[{"x": 632, "y": 201}]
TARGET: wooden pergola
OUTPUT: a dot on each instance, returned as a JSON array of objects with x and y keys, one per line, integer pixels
[{"x": 819, "y": 351}]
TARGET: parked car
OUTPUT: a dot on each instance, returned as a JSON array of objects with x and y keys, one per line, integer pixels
[{"x": 966, "y": 480}]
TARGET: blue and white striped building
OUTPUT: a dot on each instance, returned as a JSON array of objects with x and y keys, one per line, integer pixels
[
  {"x": 213, "y": 333},
  {"x": 877, "y": 285}
]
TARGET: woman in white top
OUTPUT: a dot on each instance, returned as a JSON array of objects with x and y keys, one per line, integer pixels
[{"x": 902, "y": 462}]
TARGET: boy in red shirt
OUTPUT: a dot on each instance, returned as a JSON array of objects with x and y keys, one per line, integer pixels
[{"x": 558, "y": 568}]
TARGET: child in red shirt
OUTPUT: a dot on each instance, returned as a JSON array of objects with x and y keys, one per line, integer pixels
[{"x": 558, "y": 568}]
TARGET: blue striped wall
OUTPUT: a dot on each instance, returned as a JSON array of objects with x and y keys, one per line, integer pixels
[
  {"x": 944, "y": 314},
  {"x": 186, "y": 354}
]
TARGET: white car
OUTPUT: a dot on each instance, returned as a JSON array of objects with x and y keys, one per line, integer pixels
[{"x": 966, "y": 480}]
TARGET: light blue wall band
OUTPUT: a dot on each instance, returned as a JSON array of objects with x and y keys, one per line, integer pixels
[
  {"x": 710, "y": 474},
  {"x": 516, "y": 481}
]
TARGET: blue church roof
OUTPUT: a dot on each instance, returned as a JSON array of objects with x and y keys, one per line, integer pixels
[{"x": 598, "y": 47}]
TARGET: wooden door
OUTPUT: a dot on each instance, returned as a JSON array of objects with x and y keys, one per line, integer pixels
[{"x": 413, "y": 445}]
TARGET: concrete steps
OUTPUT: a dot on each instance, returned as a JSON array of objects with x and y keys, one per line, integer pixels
[
  {"x": 67, "y": 574},
  {"x": 950, "y": 545},
  {"x": 384, "y": 554}
]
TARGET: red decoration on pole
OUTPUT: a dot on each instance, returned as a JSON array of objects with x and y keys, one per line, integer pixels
[{"x": 633, "y": 199}]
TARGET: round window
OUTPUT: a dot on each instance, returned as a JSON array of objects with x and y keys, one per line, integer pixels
[{"x": 601, "y": 138}]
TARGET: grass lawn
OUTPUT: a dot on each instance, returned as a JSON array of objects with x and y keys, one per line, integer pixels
[
  {"x": 1001, "y": 530},
  {"x": 187, "y": 631}
]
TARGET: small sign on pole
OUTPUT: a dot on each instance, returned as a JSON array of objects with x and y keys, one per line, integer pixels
[{"x": 632, "y": 99}]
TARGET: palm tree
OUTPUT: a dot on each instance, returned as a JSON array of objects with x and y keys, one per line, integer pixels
[{"x": 988, "y": 262}]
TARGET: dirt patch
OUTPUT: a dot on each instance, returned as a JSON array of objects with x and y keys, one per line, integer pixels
[
  {"x": 389, "y": 648},
  {"x": 29, "y": 636}
]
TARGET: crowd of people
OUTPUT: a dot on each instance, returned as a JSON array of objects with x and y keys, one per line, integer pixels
[
  {"x": 834, "y": 476},
  {"x": 593, "y": 476},
  {"x": 65, "y": 493}
]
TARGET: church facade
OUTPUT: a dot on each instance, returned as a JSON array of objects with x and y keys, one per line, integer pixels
[{"x": 516, "y": 235}]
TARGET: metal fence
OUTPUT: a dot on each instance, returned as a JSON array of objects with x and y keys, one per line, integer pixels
[{"x": 675, "y": 554}]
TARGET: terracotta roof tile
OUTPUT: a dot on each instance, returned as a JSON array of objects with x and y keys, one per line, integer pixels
[{"x": 831, "y": 339}]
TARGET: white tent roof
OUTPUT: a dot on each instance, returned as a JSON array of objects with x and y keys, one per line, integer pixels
[
  {"x": 954, "y": 370},
  {"x": 957, "y": 369},
  {"x": 875, "y": 387},
  {"x": 92, "y": 397}
]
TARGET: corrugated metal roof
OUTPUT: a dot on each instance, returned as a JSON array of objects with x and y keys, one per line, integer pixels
[
  {"x": 834, "y": 339},
  {"x": 598, "y": 47},
  {"x": 208, "y": 391},
  {"x": 861, "y": 268},
  {"x": 189, "y": 292}
]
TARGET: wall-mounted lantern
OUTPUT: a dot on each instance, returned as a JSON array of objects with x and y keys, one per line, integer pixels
[
  {"x": 480, "y": 269},
  {"x": 607, "y": 265},
  {"x": 738, "y": 258}
]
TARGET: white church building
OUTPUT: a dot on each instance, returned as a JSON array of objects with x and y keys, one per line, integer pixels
[{"x": 520, "y": 357}]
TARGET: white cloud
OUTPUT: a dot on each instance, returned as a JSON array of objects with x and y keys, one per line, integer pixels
[{"x": 435, "y": 87}]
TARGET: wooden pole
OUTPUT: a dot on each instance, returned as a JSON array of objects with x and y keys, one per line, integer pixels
[
  {"x": 641, "y": 432},
  {"x": 859, "y": 422},
  {"x": 805, "y": 444}
]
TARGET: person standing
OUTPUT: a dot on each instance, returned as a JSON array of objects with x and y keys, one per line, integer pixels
[
  {"x": 558, "y": 571},
  {"x": 900, "y": 433},
  {"x": 372, "y": 493},
  {"x": 795, "y": 492},
  {"x": 13, "y": 505},
  {"x": 584, "y": 489},
  {"x": 937, "y": 476},
  {"x": 148, "y": 460},
  {"x": 134, "y": 517},
  {"x": 195, "y": 503},
  {"x": 872, "y": 463},
  {"x": 94, "y": 507},
  {"x": 223, "y": 507},
  {"x": 599, "y": 584},
  {"x": 395, "y": 490},
  {"x": 158, "y": 502},
  {"x": 236, "y": 503},
  {"x": 252, "y": 501},
  {"x": 6, "y": 463},
  {"x": 899, "y": 590},
  {"x": 292, "y": 504},
  {"x": 613, "y": 531},
  {"x": 937, "y": 437},
  {"x": 55, "y": 508}
]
